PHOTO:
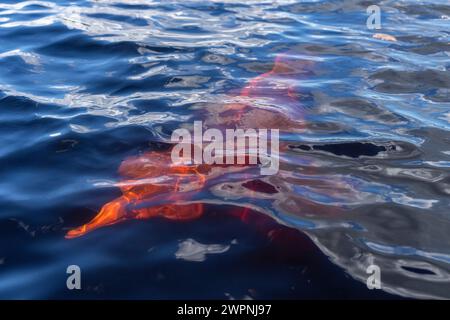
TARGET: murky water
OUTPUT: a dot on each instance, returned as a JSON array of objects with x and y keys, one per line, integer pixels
[{"x": 364, "y": 168}]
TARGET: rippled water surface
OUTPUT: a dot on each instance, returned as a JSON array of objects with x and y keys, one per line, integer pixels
[{"x": 85, "y": 85}]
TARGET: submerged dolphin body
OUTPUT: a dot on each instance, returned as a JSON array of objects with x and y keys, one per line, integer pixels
[{"x": 153, "y": 186}]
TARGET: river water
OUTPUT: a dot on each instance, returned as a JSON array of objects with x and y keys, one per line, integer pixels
[{"x": 85, "y": 85}]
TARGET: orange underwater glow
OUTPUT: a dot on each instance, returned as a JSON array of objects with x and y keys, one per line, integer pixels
[
  {"x": 139, "y": 170},
  {"x": 152, "y": 176}
]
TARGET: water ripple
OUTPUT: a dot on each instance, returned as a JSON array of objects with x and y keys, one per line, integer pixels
[{"x": 86, "y": 84}]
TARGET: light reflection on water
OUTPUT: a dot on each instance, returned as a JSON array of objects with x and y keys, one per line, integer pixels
[{"x": 87, "y": 84}]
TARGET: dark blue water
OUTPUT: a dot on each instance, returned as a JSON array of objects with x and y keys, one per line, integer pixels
[{"x": 86, "y": 84}]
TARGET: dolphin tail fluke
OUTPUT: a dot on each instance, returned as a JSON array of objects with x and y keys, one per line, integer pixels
[
  {"x": 116, "y": 211},
  {"x": 111, "y": 213}
]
